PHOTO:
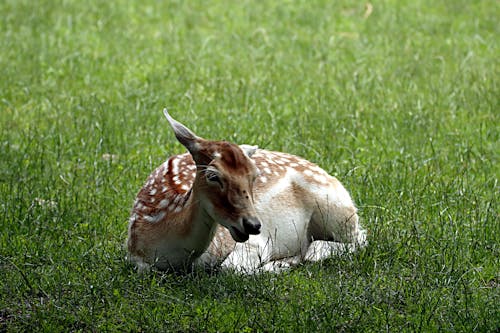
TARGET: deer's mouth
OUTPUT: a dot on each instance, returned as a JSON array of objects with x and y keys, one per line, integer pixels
[
  {"x": 238, "y": 236},
  {"x": 247, "y": 226}
]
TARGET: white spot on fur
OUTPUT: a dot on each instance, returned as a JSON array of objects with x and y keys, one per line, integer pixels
[
  {"x": 163, "y": 203},
  {"x": 317, "y": 169},
  {"x": 267, "y": 170},
  {"x": 155, "y": 218},
  {"x": 263, "y": 179},
  {"x": 320, "y": 178},
  {"x": 175, "y": 166},
  {"x": 153, "y": 191},
  {"x": 308, "y": 172}
]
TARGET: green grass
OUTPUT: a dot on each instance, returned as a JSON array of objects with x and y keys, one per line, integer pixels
[{"x": 402, "y": 106}]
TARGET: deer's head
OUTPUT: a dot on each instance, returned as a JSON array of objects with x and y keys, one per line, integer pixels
[{"x": 224, "y": 180}]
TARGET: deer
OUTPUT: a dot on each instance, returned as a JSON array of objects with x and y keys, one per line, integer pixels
[{"x": 240, "y": 208}]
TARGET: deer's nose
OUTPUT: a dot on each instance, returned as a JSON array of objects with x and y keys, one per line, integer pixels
[{"x": 252, "y": 225}]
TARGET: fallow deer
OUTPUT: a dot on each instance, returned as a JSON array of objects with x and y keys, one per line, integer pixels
[{"x": 239, "y": 207}]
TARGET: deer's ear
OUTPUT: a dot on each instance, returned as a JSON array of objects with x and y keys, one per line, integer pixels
[
  {"x": 183, "y": 134},
  {"x": 249, "y": 150}
]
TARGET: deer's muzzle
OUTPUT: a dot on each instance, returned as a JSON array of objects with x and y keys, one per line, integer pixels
[
  {"x": 252, "y": 225},
  {"x": 247, "y": 226}
]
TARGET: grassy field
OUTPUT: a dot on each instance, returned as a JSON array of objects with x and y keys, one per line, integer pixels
[{"x": 399, "y": 100}]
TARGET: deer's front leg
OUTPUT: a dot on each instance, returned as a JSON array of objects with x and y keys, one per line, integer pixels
[{"x": 246, "y": 258}]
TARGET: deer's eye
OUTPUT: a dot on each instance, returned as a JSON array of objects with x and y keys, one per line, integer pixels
[{"x": 213, "y": 177}]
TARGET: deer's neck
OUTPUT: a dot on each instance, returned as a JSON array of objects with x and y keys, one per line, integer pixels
[{"x": 201, "y": 227}]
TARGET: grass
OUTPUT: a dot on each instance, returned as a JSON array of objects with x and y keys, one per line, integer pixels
[{"x": 402, "y": 105}]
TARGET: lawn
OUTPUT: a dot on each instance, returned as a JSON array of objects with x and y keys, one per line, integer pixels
[{"x": 398, "y": 99}]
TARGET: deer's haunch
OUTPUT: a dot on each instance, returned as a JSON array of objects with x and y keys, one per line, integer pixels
[{"x": 241, "y": 207}]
